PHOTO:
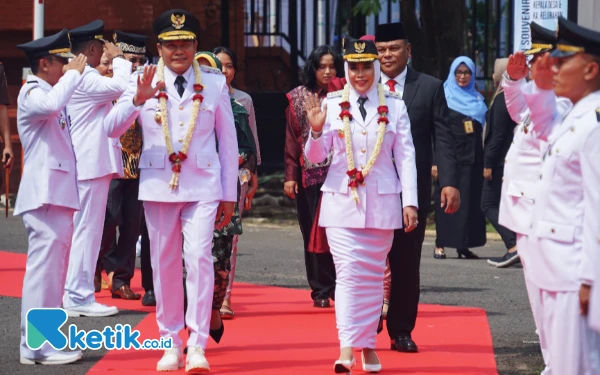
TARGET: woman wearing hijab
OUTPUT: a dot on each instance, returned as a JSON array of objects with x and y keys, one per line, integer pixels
[
  {"x": 466, "y": 227},
  {"x": 366, "y": 129}
]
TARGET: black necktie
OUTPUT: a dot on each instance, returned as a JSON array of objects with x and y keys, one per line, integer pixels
[
  {"x": 361, "y": 107},
  {"x": 179, "y": 81}
]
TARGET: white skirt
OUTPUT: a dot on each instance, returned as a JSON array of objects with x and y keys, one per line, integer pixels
[{"x": 359, "y": 256}]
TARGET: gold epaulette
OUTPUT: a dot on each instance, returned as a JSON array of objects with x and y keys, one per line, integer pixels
[
  {"x": 335, "y": 94},
  {"x": 390, "y": 94},
  {"x": 210, "y": 69}
]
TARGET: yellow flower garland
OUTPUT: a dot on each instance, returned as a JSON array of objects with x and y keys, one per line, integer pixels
[
  {"x": 348, "y": 138},
  {"x": 174, "y": 183}
]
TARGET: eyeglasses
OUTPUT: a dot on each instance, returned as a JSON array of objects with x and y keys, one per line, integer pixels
[
  {"x": 139, "y": 60},
  {"x": 464, "y": 73}
]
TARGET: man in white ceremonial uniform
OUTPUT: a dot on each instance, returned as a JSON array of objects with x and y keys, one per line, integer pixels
[
  {"x": 184, "y": 182},
  {"x": 566, "y": 216},
  {"x": 522, "y": 166},
  {"x": 48, "y": 195},
  {"x": 366, "y": 128},
  {"x": 98, "y": 162}
]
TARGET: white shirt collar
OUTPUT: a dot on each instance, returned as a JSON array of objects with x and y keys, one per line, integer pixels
[
  {"x": 400, "y": 80},
  {"x": 372, "y": 95},
  {"x": 170, "y": 76}
]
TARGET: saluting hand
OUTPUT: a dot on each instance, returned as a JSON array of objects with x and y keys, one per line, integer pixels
[
  {"x": 145, "y": 90},
  {"x": 517, "y": 66},
  {"x": 78, "y": 63},
  {"x": 543, "y": 72},
  {"x": 316, "y": 116},
  {"x": 111, "y": 50}
]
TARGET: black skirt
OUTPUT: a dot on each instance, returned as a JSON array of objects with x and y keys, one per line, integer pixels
[{"x": 466, "y": 227}]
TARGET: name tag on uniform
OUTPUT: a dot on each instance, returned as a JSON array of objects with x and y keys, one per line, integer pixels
[{"x": 468, "y": 126}]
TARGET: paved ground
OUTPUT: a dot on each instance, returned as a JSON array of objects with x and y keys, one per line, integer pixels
[{"x": 272, "y": 256}]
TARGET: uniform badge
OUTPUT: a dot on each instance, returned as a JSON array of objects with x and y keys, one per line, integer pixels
[
  {"x": 525, "y": 130},
  {"x": 468, "y": 126},
  {"x": 598, "y": 114},
  {"x": 341, "y": 133},
  {"x": 360, "y": 47},
  {"x": 158, "y": 117},
  {"x": 178, "y": 21}
]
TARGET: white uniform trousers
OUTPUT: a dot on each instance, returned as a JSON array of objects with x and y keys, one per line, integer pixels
[
  {"x": 165, "y": 222},
  {"x": 534, "y": 295},
  {"x": 572, "y": 344},
  {"x": 49, "y": 231},
  {"x": 359, "y": 257},
  {"x": 87, "y": 238}
]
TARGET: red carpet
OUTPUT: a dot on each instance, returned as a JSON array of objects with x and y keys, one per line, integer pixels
[{"x": 277, "y": 331}]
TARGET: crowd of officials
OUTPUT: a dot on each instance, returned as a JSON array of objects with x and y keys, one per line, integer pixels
[{"x": 167, "y": 155}]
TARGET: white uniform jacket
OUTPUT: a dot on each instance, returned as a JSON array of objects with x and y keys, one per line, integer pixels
[
  {"x": 49, "y": 174},
  {"x": 523, "y": 161},
  {"x": 97, "y": 155},
  {"x": 567, "y": 210},
  {"x": 380, "y": 206},
  {"x": 206, "y": 175}
]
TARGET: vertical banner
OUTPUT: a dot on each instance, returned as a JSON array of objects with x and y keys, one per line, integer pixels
[{"x": 543, "y": 12}]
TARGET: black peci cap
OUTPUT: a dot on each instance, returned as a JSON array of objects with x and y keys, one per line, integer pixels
[
  {"x": 176, "y": 24},
  {"x": 92, "y": 31},
  {"x": 53, "y": 45},
  {"x": 573, "y": 39},
  {"x": 390, "y": 31},
  {"x": 542, "y": 39},
  {"x": 130, "y": 43}
]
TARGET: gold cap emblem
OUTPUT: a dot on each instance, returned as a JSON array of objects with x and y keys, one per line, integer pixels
[
  {"x": 360, "y": 47},
  {"x": 178, "y": 21}
]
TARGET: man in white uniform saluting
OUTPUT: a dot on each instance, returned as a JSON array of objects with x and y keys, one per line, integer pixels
[
  {"x": 184, "y": 183},
  {"x": 564, "y": 243},
  {"x": 98, "y": 161},
  {"x": 48, "y": 192}
]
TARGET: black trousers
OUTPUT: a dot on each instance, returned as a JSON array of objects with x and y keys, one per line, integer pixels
[
  {"x": 145, "y": 264},
  {"x": 405, "y": 263},
  {"x": 320, "y": 270},
  {"x": 490, "y": 205},
  {"x": 123, "y": 211}
]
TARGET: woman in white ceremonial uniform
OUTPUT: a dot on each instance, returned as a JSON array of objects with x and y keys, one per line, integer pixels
[{"x": 367, "y": 129}]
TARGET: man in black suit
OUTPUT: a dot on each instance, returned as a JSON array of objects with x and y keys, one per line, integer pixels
[{"x": 427, "y": 109}]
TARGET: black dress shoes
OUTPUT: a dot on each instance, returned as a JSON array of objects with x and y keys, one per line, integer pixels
[
  {"x": 404, "y": 344},
  {"x": 149, "y": 299},
  {"x": 216, "y": 334},
  {"x": 322, "y": 303}
]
